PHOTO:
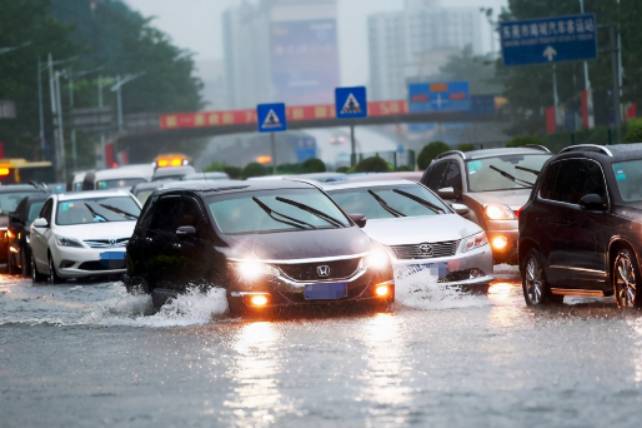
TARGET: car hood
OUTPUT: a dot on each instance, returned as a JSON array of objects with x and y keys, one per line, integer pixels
[
  {"x": 515, "y": 199},
  {"x": 414, "y": 230},
  {"x": 109, "y": 230},
  {"x": 299, "y": 244}
]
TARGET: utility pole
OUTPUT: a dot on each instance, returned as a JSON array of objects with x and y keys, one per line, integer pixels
[
  {"x": 41, "y": 113},
  {"x": 615, "y": 67},
  {"x": 556, "y": 98},
  {"x": 587, "y": 86},
  {"x": 117, "y": 87}
]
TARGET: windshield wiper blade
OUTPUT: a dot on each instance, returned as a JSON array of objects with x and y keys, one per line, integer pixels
[
  {"x": 523, "y": 168},
  {"x": 421, "y": 201},
  {"x": 290, "y": 221},
  {"x": 94, "y": 212},
  {"x": 333, "y": 221},
  {"x": 511, "y": 177},
  {"x": 119, "y": 211},
  {"x": 385, "y": 205}
]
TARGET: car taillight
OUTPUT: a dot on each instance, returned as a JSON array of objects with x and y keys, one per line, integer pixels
[{"x": 518, "y": 212}]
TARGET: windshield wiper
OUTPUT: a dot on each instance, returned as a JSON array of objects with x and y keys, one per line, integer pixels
[
  {"x": 119, "y": 211},
  {"x": 512, "y": 178},
  {"x": 333, "y": 221},
  {"x": 290, "y": 221},
  {"x": 523, "y": 168},
  {"x": 385, "y": 205},
  {"x": 94, "y": 212},
  {"x": 421, "y": 201}
]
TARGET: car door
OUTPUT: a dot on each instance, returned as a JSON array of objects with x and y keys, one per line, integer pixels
[{"x": 39, "y": 237}]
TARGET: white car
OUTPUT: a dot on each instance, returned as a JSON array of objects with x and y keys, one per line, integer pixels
[
  {"x": 123, "y": 177},
  {"x": 420, "y": 229},
  {"x": 82, "y": 234}
]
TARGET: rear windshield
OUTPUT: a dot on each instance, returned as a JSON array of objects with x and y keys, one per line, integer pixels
[
  {"x": 9, "y": 201},
  {"x": 507, "y": 172},
  {"x": 378, "y": 202},
  {"x": 97, "y": 210},
  {"x": 143, "y": 195},
  {"x": 119, "y": 183},
  {"x": 276, "y": 211},
  {"x": 628, "y": 176},
  {"x": 34, "y": 211}
]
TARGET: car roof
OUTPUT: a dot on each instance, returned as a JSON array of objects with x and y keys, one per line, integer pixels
[
  {"x": 205, "y": 186},
  {"x": 329, "y": 187},
  {"x": 10, "y": 188},
  {"x": 144, "y": 172},
  {"x": 489, "y": 153},
  {"x": 174, "y": 170},
  {"x": 387, "y": 176},
  {"x": 614, "y": 153},
  {"x": 92, "y": 194}
]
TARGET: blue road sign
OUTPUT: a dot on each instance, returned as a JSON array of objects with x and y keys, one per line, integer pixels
[
  {"x": 549, "y": 40},
  {"x": 351, "y": 103},
  {"x": 438, "y": 97},
  {"x": 271, "y": 117}
]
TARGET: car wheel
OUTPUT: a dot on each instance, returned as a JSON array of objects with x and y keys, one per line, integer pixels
[
  {"x": 536, "y": 289},
  {"x": 35, "y": 275},
  {"x": 625, "y": 275},
  {"x": 25, "y": 262},
  {"x": 11, "y": 264},
  {"x": 53, "y": 275}
]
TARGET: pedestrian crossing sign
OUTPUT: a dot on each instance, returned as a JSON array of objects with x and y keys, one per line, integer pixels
[
  {"x": 271, "y": 117},
  {"x": 351, "y": 102}
]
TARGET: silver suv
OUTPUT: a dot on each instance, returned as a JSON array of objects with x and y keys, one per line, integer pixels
[{"x": 494, "y": 184}]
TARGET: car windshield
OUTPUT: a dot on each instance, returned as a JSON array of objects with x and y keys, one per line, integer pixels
[
  {"x": 118, "y": 183},
  {"x": 504, "y": 172},
  {"x": 378, "y": 202},
  {"x": 34, "y": 211},
  {"x": 628, "y": 176},
  {"x": 276, "y": 211},
  {"x": 97, "y": 210},
  {"x": 143, "y": 195},
  {"x": 9, "y": 201}
]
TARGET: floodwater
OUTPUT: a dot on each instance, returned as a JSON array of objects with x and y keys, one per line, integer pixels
[{"x": 91, "y": 355}]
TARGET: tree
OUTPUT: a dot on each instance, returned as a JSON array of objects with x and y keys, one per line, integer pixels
[
  {"x": 524, "y": 140},
  {"x": 372, "y": 164},
  {"x": 254, "y": 169},
  {"x": 633, "y": 131},
  {"x": 466, "y": 147},
  {"x": 479, "y": 71},
  {"x": 313, "y": 165},
  {"x": 429, "y": 152}
]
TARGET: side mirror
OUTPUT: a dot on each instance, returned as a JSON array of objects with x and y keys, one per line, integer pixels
[
  {"x": 40, "y": 223},
  {"x": 447, "y": 193},
  {"x": 184, "y": 231},
  {"x": 593, "y": 202},
  {"x": 460, "y": 209},
  {"x": 359, "y": 219}
]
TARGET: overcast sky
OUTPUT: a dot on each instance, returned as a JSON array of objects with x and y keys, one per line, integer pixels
[{"x": 196, "y": 25}]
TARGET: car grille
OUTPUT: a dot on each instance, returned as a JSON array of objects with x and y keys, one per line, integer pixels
[
  {"x": 324, "y": 271},
  {"x": 426, "y": 250},
  {"x": 99, "y": 265},
  {"x": 107, "y": 243}
]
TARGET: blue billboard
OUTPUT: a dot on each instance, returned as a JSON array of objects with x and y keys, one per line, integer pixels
[
  {"x": 304, "y": 61},
  {"x": 549, "y": 40}
]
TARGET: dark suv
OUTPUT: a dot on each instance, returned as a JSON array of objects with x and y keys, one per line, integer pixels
[
  {"x": 269, "y": 243},
  {"x": 494, "y": 184},
  {"x": 580, "y": 230}
]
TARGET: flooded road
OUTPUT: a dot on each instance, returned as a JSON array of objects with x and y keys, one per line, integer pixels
[{"x": 87, "y": 355}]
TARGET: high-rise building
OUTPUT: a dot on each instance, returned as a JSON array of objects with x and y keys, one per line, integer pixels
[
  {"x": 281, "y": 50},
  {"x": 416, "y": 42}
]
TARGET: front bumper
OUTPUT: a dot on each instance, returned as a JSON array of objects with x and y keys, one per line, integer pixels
[
  {"x": 473, "y": 268},
  {"x": 83, "y": 262}
]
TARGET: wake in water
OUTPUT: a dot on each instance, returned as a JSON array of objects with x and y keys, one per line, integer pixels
[{"x": 420, "y": 289}]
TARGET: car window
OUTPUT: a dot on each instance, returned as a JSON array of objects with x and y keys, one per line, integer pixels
[
  {"x": 34, "y": 211},
  {"x": 274, "y": 211},
  {"x": 628, "y": 176},
  {"x": 96, "y": 210},
  {"x": 191, "y": 214},
  {"x": 118, "y": 183},
  {"x": 167, "y": 212},
  {"x": 577, "y": 178},
  {"x": 9, "y": 201},
  {"x": 548, "y": 182},
  {"x": 389, "y": 202},
  {"x": 143, "y": 195},
  {"x": 47, "y": 210},
  {"x": 506, "y": 172},
  {"x": 435, "y": 175},
  {"x": 452, "y": 177}
]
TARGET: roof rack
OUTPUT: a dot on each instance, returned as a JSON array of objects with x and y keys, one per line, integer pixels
[
  {"x": 589, "y": 148},
  {"x": 452, "y": 152},
  {"x": 538, "y": 147}
]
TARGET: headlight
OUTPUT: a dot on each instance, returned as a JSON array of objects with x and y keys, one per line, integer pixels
[
  {"x": 68, "y": 242},
  {"x": 250, "y": 270},
  {"x": 499, "y": 212},
  {"x": 478, "y": 240},
  {"x": 378, "y": 259}
]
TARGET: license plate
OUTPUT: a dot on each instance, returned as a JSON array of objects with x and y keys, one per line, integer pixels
[
  {"x": 109, "y": 256},
  {"x": 438, "y": 270},
  {"x": 325, "y": 291}
]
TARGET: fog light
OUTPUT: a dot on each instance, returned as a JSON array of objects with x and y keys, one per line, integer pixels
[
  {"x": 259, "y": 300},
  {"x": 382, "y": 291},
  {"x": 499, "y": 243}
]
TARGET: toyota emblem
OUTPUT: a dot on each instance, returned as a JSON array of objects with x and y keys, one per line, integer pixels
[
  {"x": 323, "y": 271},
  {"x": 112, "y": 242},
  {"x": 425, "y": 249}
]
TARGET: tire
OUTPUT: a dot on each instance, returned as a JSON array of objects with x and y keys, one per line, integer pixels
[
  {"x": 625, "y": 277},
  {"x": 25, "y": 261},
  {"x": 137, "y": 285},
  {"x": 12, "y": 269},
  {"x": 53, "y": 277},
  {"x": 35, "y": 275},
  {"x": 534, "y": 285}
]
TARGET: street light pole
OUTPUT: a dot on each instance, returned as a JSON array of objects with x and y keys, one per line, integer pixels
[
  {"x": 41, "y": 112},
  {"x": 117, "y": 87},
  {"x": 587, "y": 87}
]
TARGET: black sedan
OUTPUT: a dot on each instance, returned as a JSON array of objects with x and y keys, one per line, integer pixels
[
  {"x": 581, "y": 230},
  {"x": 271, "y": 244},
  {"x": 19, "y": 250}
]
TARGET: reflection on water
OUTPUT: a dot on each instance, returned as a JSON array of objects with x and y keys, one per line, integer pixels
[
  {"x": 636, "y": 327},
  {"x": 255, "y": 399},
  {"x": 387, "y": 372},
  {"x": 507, "y": 304}
]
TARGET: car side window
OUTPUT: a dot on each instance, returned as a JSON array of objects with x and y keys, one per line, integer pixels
[
  {"x": 547, "y": 188},
  {"x": 435, "y": 175},
  {"x": 577, "y": 178},
  {"x": 593, "y": 179},
  {"x": 192, "y": 215},
  {"x": 452, "y": 177},
  {"x": 166, "y": 214},
  {"x": 46, "y": 210}
]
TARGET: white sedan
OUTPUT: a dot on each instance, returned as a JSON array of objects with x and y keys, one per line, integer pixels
[
  {"x": 420, "y": 229},
  {"x": 82, "y": 234}
]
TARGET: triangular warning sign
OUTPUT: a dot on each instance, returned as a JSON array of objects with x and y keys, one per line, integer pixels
[
  {"x": 351, "y": 106},
  {"x": 271, "y": 120}
]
